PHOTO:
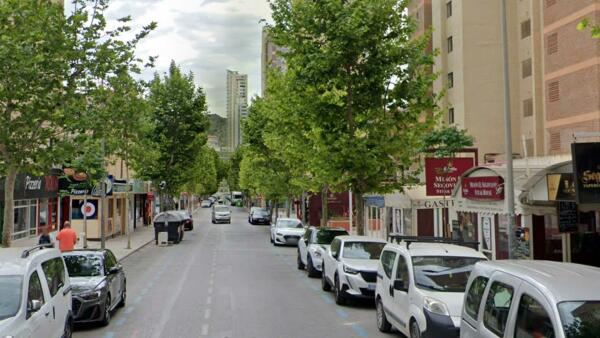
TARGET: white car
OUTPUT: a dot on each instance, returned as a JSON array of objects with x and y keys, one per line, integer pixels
[
  {"x": 35, "y": 294},
  {"x": 532, "y": 299},
  {"x": 350, "y": 267},
  {"x": 313, "y": 246},
  {"x": 286, "y": 231},
  {"x": 221, "y": 214},
  {"x": 420, "y": 287}
]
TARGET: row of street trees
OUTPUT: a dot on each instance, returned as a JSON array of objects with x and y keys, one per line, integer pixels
[
  {"x": 69, "y": 96},
  {"x": 352, "y": 108}
]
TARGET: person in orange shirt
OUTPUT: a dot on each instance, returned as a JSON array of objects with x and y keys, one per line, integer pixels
[{"x": 67, "y": 238}]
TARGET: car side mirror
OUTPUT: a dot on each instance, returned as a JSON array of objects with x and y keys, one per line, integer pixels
[
  {"x": 335, "y": 255},
  {"x": 34, "y": 306},
  {"x": 399, "y": 285},
  {"x": 114, "y": 270}
]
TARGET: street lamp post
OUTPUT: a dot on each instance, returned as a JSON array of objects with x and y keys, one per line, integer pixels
[{"x": 508, "y": 184}]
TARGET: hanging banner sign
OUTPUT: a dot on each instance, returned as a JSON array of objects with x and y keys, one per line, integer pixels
[
  {"x": 441, "y": 174},
  {"x": 487, "y": 188},
  {"x": 561, "y": 187},
  {"x": 586, "y": 168}
]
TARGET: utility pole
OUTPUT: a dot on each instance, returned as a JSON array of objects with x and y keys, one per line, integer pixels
[
  {"x": 103, "y": 199},
  {"x": 508, "y": 183}
]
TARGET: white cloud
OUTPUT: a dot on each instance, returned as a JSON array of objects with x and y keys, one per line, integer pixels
[{"x": 206, "y": 37}]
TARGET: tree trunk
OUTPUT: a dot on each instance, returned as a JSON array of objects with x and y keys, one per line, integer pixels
[
  {"x": 9, "y": 206},
  {"x": 324, "y": 207},
  {"x": 276, "y": 210},
  {"x": 289, "y": 207},
  {"x": 360, "y": 214}
]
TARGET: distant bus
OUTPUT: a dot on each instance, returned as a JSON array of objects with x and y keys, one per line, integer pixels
[{"x": 236, "y": 196}]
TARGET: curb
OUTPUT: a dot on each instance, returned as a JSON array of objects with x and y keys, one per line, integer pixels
[{"x": 136, "y": 250}]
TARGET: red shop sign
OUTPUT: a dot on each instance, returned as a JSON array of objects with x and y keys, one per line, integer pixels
[
  {"x": 441, "y": 174},
  {"x": 488, "y": 188}
]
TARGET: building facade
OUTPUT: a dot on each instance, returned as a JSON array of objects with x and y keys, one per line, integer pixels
[
  {"x": 269, "y": 58},
  {"x": 237, "y": 106}
]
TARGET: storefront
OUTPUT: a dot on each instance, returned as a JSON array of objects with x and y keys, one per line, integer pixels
[{"x": 35, "y": 204}]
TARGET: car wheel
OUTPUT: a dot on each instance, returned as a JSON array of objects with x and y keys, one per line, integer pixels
[
  {"x": 106, "y": 317},
  {"x": 299, "y": 260},
  {"x": 324, "y": 284},
  {"x": 271, "y": 239},
  {"x": 415, "y": 331},
  {"x": 68, "y": 331},
  {"x": 382, "y": 323},
  {"x": 123, "y": 295},
  {"x": 312, "y": 272},
  {"x": 340, "y": 299}
]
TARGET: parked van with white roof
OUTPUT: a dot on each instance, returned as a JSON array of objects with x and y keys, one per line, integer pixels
[{"x": 533, "y": 299}]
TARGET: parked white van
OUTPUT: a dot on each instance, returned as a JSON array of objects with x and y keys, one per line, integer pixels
[
  {"x": 35, "y": 294},
  {"x": 420, "y": 286},
  {"x": 533, "y": 299}
]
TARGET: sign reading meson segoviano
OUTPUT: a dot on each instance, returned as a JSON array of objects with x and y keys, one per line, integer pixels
[
  {"x": 441, "y": 174},
  {"x": 586, "y": 168}
]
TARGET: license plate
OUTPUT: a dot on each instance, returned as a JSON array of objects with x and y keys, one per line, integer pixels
[{"x": 372, "y": 286}]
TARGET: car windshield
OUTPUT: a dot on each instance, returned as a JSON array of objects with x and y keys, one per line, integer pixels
[
  {"x": 326, "y": 236},
  {"x": 362, "y": 250},
  {"x": 289, "y": 223},
  {"x": 221, "y": 209},
  {"x": 85, "y": 265},
  {"x": 260, "y": 213},
  {"x": 443, "y": 273},
  {"x": 10, "y": 296},
  {"x": 580, "y": 319}
]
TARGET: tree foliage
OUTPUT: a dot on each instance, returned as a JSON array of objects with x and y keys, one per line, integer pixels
[
  {"x": 58, "y": 74},
  {"x": 355, "y": 102},
  {"x": 594, "y": 29},
  {"x": 179, "y": 121},
  {"x": 446, "y": 141}
]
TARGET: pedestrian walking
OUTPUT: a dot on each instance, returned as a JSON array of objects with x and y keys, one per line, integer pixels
[
  {"x": 45, "y": 236},
  {"x": 67, "y": 238}
]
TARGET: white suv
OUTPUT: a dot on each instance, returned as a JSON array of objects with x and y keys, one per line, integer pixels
[
  {"x": 35, "y": 294},
  {"x": 286, "y": 231},
  {"x": 313, "y": 246},
  {"x": 420, "y": 287},
  {"x": 350, "y": 267}
]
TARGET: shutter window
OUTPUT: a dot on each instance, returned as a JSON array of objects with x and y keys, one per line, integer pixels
[
  {"x": 553, "y": 91},
  {"x": 552, "y": 44}
]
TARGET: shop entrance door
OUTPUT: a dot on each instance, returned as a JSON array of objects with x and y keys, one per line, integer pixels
[{"x": 425, "y": 221}]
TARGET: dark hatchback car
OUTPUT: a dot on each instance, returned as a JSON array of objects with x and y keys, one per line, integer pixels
[
  {"x": 98, "y": 283},
  {"x": 188, "y": 223},
  {"x": 260, "y": 216}
]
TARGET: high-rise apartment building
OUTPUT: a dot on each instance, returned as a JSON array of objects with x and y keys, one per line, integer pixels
[
  {"x": 237, "y": 106},
  {"x": 554, "y": 70},
  {"x": 269, "y": 58},
  {"x": 571, "y": 72}
]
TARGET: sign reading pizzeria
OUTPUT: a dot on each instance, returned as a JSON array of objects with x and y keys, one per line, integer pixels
[
  {"x": 441, "y": 174},
  {"x": 486, "y": 188},
  {"x": 586, "y": 168}
]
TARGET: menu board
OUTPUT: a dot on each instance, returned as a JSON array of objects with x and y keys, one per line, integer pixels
[{"x": 567, "y": 216}]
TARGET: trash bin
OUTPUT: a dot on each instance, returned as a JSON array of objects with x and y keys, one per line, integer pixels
[{"x": 171, "y": 223}]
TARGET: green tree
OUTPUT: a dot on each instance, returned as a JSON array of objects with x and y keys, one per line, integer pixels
[
  {"x": 178, "y": 110},
  {"x": 446, "y": 141},
  {"x": 51, "y": 69},
  {"x": 202, "y": 178},
  {"x": 594, "y": 29},
  {"x": 370, "y": 81}
]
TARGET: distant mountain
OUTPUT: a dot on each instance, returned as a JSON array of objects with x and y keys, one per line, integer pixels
[{"x": 218, "y": 126}]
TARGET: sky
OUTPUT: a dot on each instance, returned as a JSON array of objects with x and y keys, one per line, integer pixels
[{"x": 206, "y": 37}]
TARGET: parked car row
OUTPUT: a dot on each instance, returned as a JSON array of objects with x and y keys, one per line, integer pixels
[
  {"x": 432, "y": 287},
  {"x": 44, "y": 293}
]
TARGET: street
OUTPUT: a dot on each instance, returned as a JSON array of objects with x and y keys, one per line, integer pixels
[{"x": 227, "y": 280}]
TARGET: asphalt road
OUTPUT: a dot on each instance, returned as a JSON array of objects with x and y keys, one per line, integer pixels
[{"x": 228, "y": 281}]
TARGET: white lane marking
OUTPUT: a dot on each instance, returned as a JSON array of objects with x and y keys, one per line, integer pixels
[
  {"x": 210, "y": 290},
  {"x": 204, "y": 330},
  {"x": 208, "y": 300},
  {"x": 211, "y": 282},
  {"x": 212, "y": 275},
  {"x": 207, "y": 314}
]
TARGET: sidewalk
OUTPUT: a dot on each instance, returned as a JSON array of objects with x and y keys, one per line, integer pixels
[{"x": 142, "y": 236}]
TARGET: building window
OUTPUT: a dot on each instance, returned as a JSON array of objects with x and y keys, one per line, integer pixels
[
  {"x": 552, "y": 44},
  {"x": 448, "y": 9},
  {"x": 526, "y": 68},
  {"x": 527, "y": 107},
  {"x": 553, "y": 91},
  {"x": 451, "y": 116},
  {"x": 529, "y": 147},
  {"x": 525, "y": 29},
  {"x": 450, "y": 80},
  {"x": 555, "y": 141},
  {"x": 450, "y": 44}
]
